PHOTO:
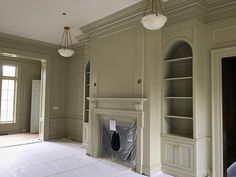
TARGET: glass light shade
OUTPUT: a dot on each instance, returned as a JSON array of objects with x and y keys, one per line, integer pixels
[
  {"x": 153, "y": 21},
  {"x": 66, "y": 52}
]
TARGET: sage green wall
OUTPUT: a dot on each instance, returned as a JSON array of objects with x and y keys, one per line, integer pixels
[
  {"x": 56, "y": 73},
  {"x": 74, "y": 97},
  {"x": 152, "y": 91},
  {"x": 30, "y": 70},
  {"x": 116, "y": 62}
]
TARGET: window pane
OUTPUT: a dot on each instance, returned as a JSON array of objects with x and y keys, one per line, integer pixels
[
  {"x": 4, "y": 95},
  {"x": 10, "y": 95},
  {"x": 3, "y": 116},
  {"x": 11, "y": 84},
  {"x": 4, "y": 105},
  {"x": 8, "y": 84},
  {"x": 9, "y": 71},
  {"x": 7, "y": 100},
  {"x": 5, "y": 84},
  {"x": 10, "y": 106}
]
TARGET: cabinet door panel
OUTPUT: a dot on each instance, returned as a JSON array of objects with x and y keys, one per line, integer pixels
[
  {"x": 185, "y": 158},
  {"x": 169, "y": 154}
]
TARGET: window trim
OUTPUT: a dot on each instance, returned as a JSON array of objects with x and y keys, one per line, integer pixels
[{"x": 16, "y": 78}]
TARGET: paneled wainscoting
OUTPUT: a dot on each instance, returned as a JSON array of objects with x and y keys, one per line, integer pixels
[{"x": 74, "y": 127}]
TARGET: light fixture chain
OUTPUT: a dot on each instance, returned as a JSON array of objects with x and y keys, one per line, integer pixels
[
  {"x": 71, "y": 41},
  {"x": 156, "y": 7},
  {"x": 162, "y": 12},
  {"x": 67, "y": 36},
  {"x": 153, "y": 6},
  {"x": 62, "y": 39},
  {"x": 65, "y": 39},
  {"x": 146, "y": 8},
  {"x": 66, "y": 50}
]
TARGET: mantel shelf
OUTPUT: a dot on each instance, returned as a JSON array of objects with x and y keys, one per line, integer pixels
[{"x": 136, "y": 100}]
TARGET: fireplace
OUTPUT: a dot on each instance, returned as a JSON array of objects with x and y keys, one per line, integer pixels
[{"x": 119, "y": 110}]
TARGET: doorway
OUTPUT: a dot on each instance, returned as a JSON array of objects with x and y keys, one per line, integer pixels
[
  {"x": 229, "y": 115},
  {"x": 221, "y": 134},
  {"x": 20, "y": 91},
  {"x": 45, "y": 61}
]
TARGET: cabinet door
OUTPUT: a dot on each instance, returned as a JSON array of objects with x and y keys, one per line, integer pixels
[
  {"x": 186, "y": 157},
  {"x": 169, "y": 155}
]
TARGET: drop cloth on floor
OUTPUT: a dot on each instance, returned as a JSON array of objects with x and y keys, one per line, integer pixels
[{"x": 61, "y": 158}]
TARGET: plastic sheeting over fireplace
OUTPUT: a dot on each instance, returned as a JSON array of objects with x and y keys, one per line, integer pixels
[{"x": 119, "y": 145}]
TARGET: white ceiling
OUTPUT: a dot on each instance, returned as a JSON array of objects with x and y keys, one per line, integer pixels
[{"x": 42, "y": 20}]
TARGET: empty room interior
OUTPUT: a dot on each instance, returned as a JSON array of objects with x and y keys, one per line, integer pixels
[{"x": 122, "y": 88}]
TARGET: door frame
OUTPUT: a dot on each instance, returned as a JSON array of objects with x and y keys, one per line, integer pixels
[
  {"x": 45, "y": 85},
  {"x": 217, "y": 56}
]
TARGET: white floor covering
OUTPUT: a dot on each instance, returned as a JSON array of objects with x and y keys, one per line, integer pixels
[
  {"x": 61, "y": 158},
  {"x": 18, "y": 139}
]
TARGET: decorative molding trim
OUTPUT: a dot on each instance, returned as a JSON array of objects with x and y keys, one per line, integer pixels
[
  {"x": 12, "y": 41},
  {"x": 137, "y": 102},
  {"x": 72, "y": 116},
  {"x": 218, "y": 38},
  {"x": 176, "y": 11},
  {"x": 54, "y": 117},
  {"x": 132, "y": 12},
  {"x": 27, "y": 40}
]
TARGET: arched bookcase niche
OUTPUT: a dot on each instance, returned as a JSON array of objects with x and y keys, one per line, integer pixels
[
  {"x": 178, "y": 90},
  {"x": 86, "y": 95}
]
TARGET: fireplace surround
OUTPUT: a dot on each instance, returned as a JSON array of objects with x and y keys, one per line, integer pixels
[{"x": 119, "y": 109}]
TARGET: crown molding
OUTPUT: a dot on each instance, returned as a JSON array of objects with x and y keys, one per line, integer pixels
[
  {"x": 184, "y": 13},
  {"x": 221, "y": 12},
  {"x": 131, "y": 13},
  {"x": 21, "y": 43},
  {"x": 27, "y": 40},
  {"x": 175, "y": 10}
]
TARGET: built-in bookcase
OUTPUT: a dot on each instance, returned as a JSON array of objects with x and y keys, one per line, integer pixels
[
  {"x": 87, "y": 86},
  {"x": 178, "y": 91}
]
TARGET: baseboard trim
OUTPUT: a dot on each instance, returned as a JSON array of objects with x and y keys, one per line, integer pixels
[{"x": 151, "y": 170}]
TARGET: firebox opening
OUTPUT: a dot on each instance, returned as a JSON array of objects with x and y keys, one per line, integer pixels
[{"x": 124, "y": 136}]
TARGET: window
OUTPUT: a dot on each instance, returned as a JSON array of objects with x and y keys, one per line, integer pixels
[{"x": 8, "y": 92}]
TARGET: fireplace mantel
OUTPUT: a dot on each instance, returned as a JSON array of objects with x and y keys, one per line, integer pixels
[
  {"x": 118, "y": 109},
  {"x": 118, "y": 103},
  {"x": 119, "y": 99}
]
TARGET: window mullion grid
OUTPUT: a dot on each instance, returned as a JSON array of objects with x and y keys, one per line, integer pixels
[{"x": 14, "y": 106}]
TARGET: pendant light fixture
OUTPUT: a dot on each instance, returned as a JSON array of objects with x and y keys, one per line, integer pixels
[
  {"x": 155, "y": 20},
  {"x": 66, "y": 47}
]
